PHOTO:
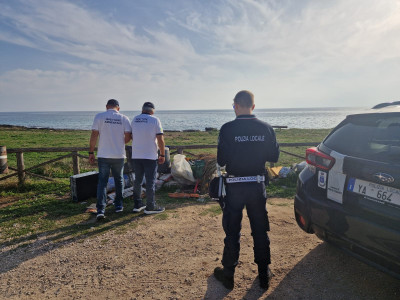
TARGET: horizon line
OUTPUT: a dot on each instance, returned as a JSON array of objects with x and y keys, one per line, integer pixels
[{"x": 171, "y": 110}]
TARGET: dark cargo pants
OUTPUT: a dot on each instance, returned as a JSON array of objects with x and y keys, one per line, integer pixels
[{"x": 253, "y": 196}]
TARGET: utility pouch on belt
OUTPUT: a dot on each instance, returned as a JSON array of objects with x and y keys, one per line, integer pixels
[{"x": 216, "y": 189}]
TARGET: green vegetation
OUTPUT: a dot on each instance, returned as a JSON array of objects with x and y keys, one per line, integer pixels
[
  {"x": 283, "y": 187},
  {"x": 162, "y": 216},
  {"x": 213, "y": 211},
  {"x": 15, "y": 137},
  {"x": 42, "y": 138},
  {"x": 41, "y": 208}
]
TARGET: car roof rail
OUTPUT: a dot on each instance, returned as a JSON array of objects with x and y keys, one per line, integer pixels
[{"x": 385, "y": 104}]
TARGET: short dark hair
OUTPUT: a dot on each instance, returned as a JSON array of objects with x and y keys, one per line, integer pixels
[
  {"x": 244, "y": 99},
  {"x": 148, "y": 105},
  {"x": 112, "y": 103}
]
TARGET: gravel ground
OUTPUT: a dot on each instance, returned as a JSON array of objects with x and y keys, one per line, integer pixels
[{"x": 174, "y": 257}]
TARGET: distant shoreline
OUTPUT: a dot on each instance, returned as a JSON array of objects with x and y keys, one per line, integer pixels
[
  {"x": 68, "y": 129},
  {"x": 39, "y": 128}
]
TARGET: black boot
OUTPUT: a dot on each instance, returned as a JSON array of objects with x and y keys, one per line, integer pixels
[
  {"x": 227, "y": 281},
  {"x": 265, "y": 278}
]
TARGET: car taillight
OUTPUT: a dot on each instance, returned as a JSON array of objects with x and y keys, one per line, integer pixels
[{"x": 319, "y": 159}]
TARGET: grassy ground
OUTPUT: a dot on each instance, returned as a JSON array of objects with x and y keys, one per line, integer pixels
[
  {"x": 42, "y": 207},
  {"x": 42, "y": 138}
]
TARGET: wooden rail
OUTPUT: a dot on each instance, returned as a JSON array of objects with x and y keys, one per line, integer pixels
[
  {"x": 21, "y": 171},
  {"x": 180, "y": 149}
]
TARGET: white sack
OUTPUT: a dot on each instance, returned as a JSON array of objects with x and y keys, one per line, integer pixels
[{"x": 181, "y": 170}]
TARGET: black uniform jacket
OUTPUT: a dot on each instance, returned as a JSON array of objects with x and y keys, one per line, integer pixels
[{"x": 245, "y": 145}]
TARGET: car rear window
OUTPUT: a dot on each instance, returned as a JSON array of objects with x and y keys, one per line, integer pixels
[{"x": 369, "y": 136}]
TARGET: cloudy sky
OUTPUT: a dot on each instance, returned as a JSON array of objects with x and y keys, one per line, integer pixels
[{"x": 76, "y": 54}]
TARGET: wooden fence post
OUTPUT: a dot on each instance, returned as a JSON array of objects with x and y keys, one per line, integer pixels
[
  {"x": 75, "y": 162},
  {"x": 180, "y": 150},
  {"x": 21, "y": 167},
  {"x": 3, "y": 160}
]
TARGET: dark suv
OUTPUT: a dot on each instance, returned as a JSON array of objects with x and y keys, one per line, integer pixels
[{"x": 349, "y": 193}]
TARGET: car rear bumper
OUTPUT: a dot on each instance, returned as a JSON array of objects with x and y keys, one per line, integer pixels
[{"x": 330, "y": 222}]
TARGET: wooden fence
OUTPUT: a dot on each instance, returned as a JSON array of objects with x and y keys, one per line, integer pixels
[{"x": 21, "y": 171}]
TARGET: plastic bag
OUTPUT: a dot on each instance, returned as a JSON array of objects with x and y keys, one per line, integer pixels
[
  {"x": 111, "y": 182},
  {"x": 181, "y": 170},
  {"x": 284, "y": 172}
]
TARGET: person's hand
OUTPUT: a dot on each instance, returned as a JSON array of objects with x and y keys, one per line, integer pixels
[
  {"x": 161, "y": 160},
  {"x": 92, "y": 159}
]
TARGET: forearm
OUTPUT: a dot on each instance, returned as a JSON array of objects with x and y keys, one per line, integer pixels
[
  {"x": 161, "y": 144},
  {"x": 92, "y": 146},
  {"x": 161, "y": 147},
  {"x": 128, "y": 137},
  {"x": 93, "y": 140}
]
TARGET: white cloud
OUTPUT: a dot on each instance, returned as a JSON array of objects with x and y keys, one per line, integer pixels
[{"x": 296, "y": 54}]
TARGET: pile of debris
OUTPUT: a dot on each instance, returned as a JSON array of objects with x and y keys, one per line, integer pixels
[
  {"x": 283, "y": 172},
  {"x": 190, "y": 176}
]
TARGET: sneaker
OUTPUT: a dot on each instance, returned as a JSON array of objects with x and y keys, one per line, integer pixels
[
  {"x": 100, "y": 216},
  {"x": 155, "y": 210},
  {"x": 265, "y": 279},
  {"x": 138, "y": 207},
  {"x": 119, "y": 209},
  {"x": 220, "y": 275}
]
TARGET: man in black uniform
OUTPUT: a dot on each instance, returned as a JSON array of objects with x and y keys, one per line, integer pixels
[{"x": 244, "y": 146}]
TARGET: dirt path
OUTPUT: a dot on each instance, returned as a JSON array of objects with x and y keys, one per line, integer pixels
[{"x": 173, "y": 258}]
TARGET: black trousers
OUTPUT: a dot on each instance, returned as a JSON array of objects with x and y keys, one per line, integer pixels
[{"x": 253, "y": 196}]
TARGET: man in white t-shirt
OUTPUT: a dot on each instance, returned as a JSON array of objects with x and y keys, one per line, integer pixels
[
  {"x": 113, "y": 130},
  {"x": 147, "y": 138}
]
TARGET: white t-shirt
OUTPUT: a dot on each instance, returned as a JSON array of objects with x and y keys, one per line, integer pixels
[
  {"x": 111, "y": 126},
  {"x": 145, "y": 128}
]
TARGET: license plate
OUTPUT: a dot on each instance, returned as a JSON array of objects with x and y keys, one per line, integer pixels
[{"x": 374, "y": 191}]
